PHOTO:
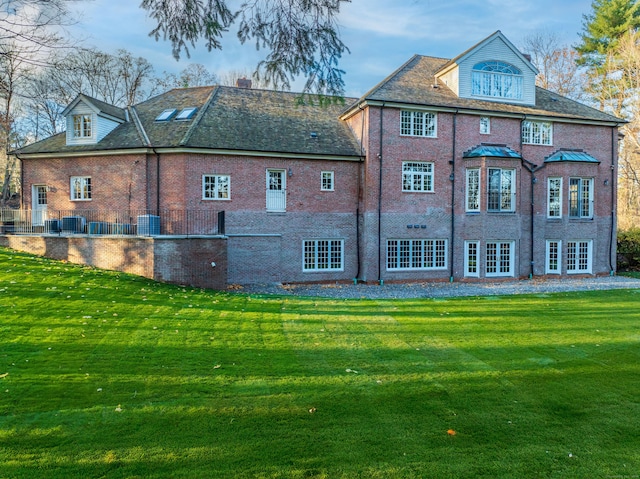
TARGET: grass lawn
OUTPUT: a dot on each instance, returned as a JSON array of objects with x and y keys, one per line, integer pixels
[{"x": 108, "y": 375}]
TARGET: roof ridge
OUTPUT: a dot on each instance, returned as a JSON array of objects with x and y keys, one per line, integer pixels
[{"x": 198, "y": 118}]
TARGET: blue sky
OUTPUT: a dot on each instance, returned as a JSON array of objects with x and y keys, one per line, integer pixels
[{"x": 381, "y": 34}]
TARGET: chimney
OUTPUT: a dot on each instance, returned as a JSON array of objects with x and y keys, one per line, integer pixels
[
  {"x": 527, "y": 56},
  {"x": 243, "y": 83}
]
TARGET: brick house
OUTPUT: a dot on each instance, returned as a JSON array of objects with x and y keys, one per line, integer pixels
[{"x": 449, "y": 169}]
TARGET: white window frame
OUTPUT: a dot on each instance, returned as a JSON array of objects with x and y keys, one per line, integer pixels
[
  {"x": 553, "y": 257},
  {"x": 505, "y": 191},
  {"x": 472, "y": 190},
  {"x": 416, "y": 254},
  {"x": 80, "y": 188},
  {"x": 472, "y": 259},
  {"x": 216, "y": 187},
  {"x": 581, "y": 198},
  {"x": 418, "y": 123},
  {"x": 537, "y": 132},
  {"x": 554, "y": 197},
  {"x": 417, "y": 177},
  {"x": 496, "y": 79},
  {"x": 496, "y": 264},
  {"x": 579, "y": 256},
  {"x": 327, "y": 181},
  {"x": 485, "y": 125},
  {"x": 83, "y": 126},
  {"x": 321, "y": 255}
]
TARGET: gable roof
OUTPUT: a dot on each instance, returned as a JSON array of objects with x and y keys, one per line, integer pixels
[
  {"x": 415, "y": 84},
  {"x": 229, "y": 119},
  {"x": 97, "y": 106},
  {"x": 495, "y": 35}
]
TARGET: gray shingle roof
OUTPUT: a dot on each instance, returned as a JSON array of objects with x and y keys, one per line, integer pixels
[
  {"x": 413, "y": 83},
  {"x": 228, "y": 118}
]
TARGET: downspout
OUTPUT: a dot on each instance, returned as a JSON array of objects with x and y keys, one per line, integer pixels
[
  {"x": 21, "y": 183},
  {"x": 612, "y": 239},
  {"x": 359, "y": 179},
  {"x": 532, "y": 210},
  {"x": 452, "y": 177},
  {"x": 380, "y": 280},
  {"x": 157, "y": 180}
]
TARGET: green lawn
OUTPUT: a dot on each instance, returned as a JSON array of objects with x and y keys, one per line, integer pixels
[{"x": 108, "y": 375}]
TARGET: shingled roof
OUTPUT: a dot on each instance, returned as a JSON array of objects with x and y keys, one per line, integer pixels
[
  {"x": 227, "y": 118},
  {"x": 415, "y": 83}
]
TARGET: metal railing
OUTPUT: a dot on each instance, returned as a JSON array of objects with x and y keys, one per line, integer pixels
[{"x": 112, "y": 222}]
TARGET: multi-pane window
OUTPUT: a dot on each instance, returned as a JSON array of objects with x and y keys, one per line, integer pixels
[
  {"x": 472, "y": 200},
  {"x": 499, "y": 258},
  {"x": 82, "y": 126},
  {"x": 412, "y": 254},
  {"x": 537, "y": 132},
  {"x": 554, "y": 198},
  {"x": 417, "y": 176},
  {"x": 323, "y": 255},
  {"x": 80, "y": 187},
  {"x": 215, "y": 187},
  {"x": 485, "y": 125},
  {"x": 579, "y": 257},
  {"x": 418, "y": 123},
  {"x": 326, "y": 181},
  {"x": 553, "y": 256},
  {"x": 501, "y": 190},
  {"x": 581, "y": 197},
  {"x": 496, "y": 79},
  {"x": 471, "y": 258}
]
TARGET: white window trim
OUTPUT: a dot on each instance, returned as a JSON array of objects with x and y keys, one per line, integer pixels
[
  {"x": 315, "y": 244},
  {"x": 425, "y": 131},
  {"x": 434, "y": 246},
  {"x": 467, "y": 264},
  {"x": 549, "y": 211},
  {"x": 576, "y": 243},
  {"x": 216, "y": 187},
  {"x": 485, "y": 125},
  {"x": 512, "y": 254},
  {"x": 545, "y": 138},
  {"x": 83, "y": 181},
  {"x": 466, "y": 191},
  {"x": 590, "y": 182},
  {"x": 331, "y": 174},
  {"x": 421, "y": 174},
  {"x": 547, "y": 255},
  {"x": 494, "y": 83},
  {"x": 82, "y": 117},
  {"x": 512, "y": 193}
]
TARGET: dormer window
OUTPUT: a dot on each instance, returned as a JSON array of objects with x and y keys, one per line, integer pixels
[
  {"x": 82, "y": 126},
  {"x": 496, "y": 79}
]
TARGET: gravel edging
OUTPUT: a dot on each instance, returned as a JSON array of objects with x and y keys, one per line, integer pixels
[{"x": 443, "y": 289}]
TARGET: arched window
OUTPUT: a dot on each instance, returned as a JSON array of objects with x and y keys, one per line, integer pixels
[{"x": 496, "y": 79}]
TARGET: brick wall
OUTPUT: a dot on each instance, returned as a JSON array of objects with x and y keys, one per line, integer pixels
[{"x": 173, "y": 260}]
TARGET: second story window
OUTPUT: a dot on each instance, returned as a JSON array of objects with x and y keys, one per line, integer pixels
[
  {"x": 581, "y": 197},
  {"x": 417, "y": 176},
  {"x": 497, "y": 80},
  {"x": 485, "y": 125},
  {"x": 554, "y": 198},
  {"x": 418, "y": 123},
  {"x": 82, "y": 126},
  {"x": 80, "y": 188},
  {"x": 537, "y": 132},
  {"x": 502, "y": 190},
  {"x": 215, "y": 187},
  {"x": 326, "y": 181}
]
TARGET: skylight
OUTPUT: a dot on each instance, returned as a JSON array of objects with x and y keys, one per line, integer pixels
[
  {"x": 187, "y": 113},
  {"x": 166, "y": 115}
]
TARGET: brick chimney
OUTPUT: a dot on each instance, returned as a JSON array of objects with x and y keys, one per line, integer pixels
[{"x": 243, "y": 83}]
